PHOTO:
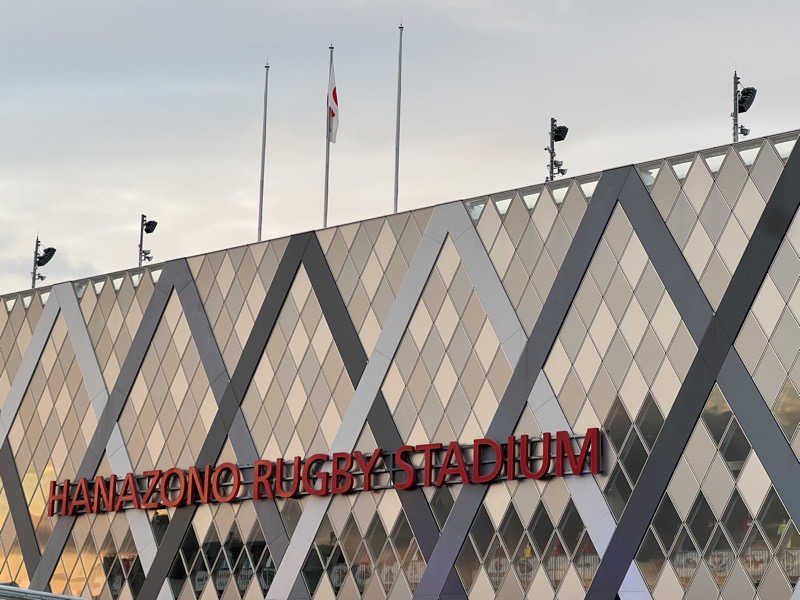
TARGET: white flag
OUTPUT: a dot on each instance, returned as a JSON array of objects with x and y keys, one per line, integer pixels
[{"x": 333, "y": 107}]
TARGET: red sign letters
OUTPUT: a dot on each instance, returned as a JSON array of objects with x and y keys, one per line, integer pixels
[{"x": 340, "y": 473}]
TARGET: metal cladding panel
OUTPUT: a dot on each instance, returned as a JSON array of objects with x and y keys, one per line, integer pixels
[{"x": 658, "y": 302}]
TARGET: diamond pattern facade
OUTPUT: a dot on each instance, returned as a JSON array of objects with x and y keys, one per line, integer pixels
[
  {"x": 449, "y": 371},
  {"x": 300, "y": 391},
  {"x": 621, "y": 355},
  {"x": 621, "y": 358},
  {"x": 112, "y": 308},
  {"x": 721, "y": 528},
  {"x": 53, "y": 427},
  {"x": 711, "y": 203},
  {"x": 369, "y": 261},
  {"x": 18, "y": 321},
  {"x": 527, "y": 234},
  {"x": 232, "y": 285},
  {"x": 767, "y": 342},
  {"x": 171, "y": 406}
]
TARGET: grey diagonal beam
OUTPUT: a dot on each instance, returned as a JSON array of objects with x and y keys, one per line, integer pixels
[
  {"x": 96, "y": 389},
  {"x": 30, "y": 359},
  {"x": 15, "y": 495},
  {"x": 526, "y": 372},
  {"x": 767, "y": 439},
  {"x": 703, "y": 373},
  {"x": 737, "y": 385},
  {"x": 585, "y": 492},
  {"x": 103, "y": 440},
  {"x": 380, "y": 419},
  {"x": 667, "y": 258},
  {"x": 482, "y": 274},
  {"x": 226, "y": 416},
  {"x": 365, "y": 393},
  {"x": 18, "y": 505},
  {"x": 267, "y": 512}
]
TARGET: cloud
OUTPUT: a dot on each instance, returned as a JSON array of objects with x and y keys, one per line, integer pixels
[{"x": 112, "y": 110}]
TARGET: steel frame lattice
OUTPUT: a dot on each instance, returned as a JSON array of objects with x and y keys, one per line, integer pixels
[{"x": 716, "y": 361}]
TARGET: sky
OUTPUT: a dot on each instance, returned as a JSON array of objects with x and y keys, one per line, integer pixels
[{"x": 112, "y": 109}]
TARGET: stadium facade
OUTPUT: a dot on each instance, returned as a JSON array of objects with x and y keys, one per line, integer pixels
[{"x": 585, "y": 388}]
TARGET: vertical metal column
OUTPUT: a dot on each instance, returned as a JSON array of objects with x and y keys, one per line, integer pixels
[
  {"x": 397, "y": 118},
  {"x": 263, "y": 153}
]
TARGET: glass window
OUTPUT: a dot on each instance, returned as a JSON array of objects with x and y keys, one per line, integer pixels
[
  {"x": 525, "y": 563},
  {"x": 789, "y": 555},
  {"x": 719, "y": 557},
  {"x": 555, "y": 562},
  {"x": 773, "y": 518},
  {"x": 650, "y": 559},
  {"x": 586, "y": 561},
  {"x": 716, "y": 414},
  {"x": 540, "y": 529},
  {"x": 467, "y": 564},
  {"x": 441, "y": 504},
  {"x": 497, "y": 564},
  {"x": 787, "y": 409},
  {"x": 402, "y": 536},
  {"x": 376, "y": 536},
  {"x": 649, "y": 421},
  {"x": 701, "y": 521},
  {"x": 755, "y": 556},
  {"x": 387, "y": 567},
  {"x": 243, "y": 573},
  {"x": 570, "y": 527},
  {"x": 351, "y": 538},
  {"x": 511, "y": 528},
  {"x": 482, "y": 531},
  {"x": 337, "y": 570},
  {"x": 633, "y": 456},
  {"x": 666, "y": 522},
  {"x": 737, "y": 519},
  {"x": 361, "y": 568},
  {"x": 735, "y": 448},
  {"x": 617, "y": 492},
  {"x": 684, "y": 558},
  {"x": 617, "y": 424},
  {"x": 312, "y": 570}
]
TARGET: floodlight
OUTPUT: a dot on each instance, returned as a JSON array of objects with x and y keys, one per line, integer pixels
[
  {"x": 40, "y": 259},
  {"x": 45, "y": 256},
  {"x": 558, "y": 133},
  {"x": 746, "y": 98},
  {"x": 743, "y": 98},
  {"x": 145, "y": 226}
]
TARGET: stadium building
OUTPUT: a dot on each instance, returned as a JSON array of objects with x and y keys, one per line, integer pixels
[{"x": 586, "y": 388}]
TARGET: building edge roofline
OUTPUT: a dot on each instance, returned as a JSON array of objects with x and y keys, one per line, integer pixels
[{"x": 28, "y": 292}]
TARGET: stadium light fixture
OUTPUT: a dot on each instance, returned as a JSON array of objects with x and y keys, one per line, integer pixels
[
  {"x": 40, "y": 259},
  {"x": 145, "y": 226},
  {"x": 558, "y": 133},
  {"x": 742, "y": 101}
]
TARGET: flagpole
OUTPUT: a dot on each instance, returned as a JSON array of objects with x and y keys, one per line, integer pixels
[
  {"x": 397, "y": 118},
  {"x": 263, "y": 153},
  {"x": 327, "y": 145}
]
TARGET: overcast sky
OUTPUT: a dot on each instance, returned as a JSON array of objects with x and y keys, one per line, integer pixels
[{"x": 109, "y": 109}]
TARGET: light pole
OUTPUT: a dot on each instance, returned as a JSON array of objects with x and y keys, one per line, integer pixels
[
  {"x": 558, "y": 133},
  {"x": 40, "y": 260},
  {"x": 148, "y": 227},
  {"x": 742, "y": 100}
]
